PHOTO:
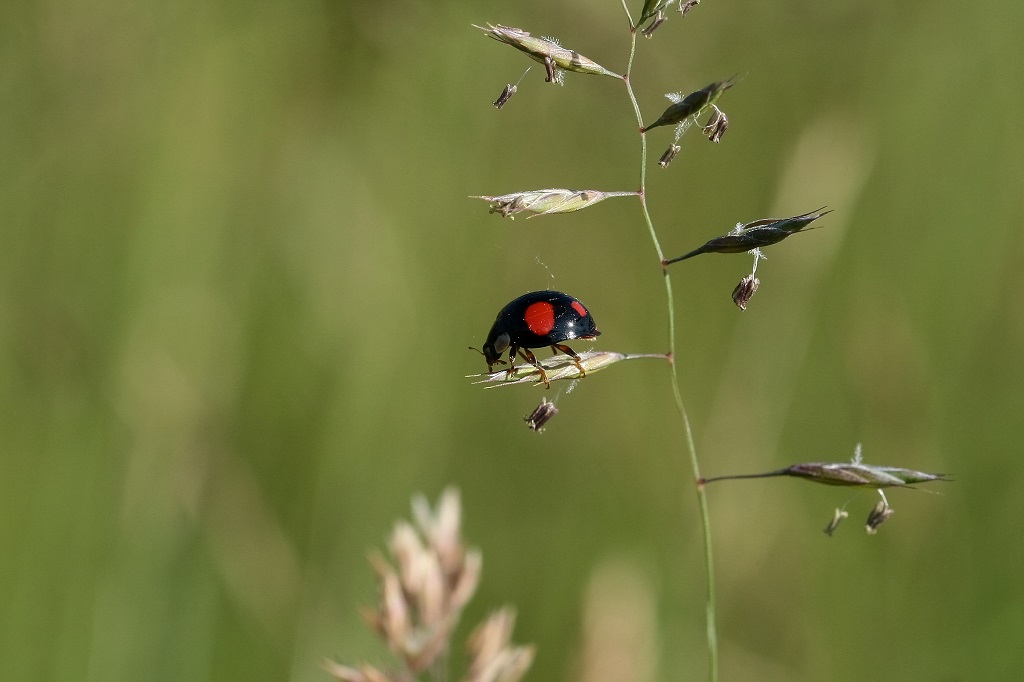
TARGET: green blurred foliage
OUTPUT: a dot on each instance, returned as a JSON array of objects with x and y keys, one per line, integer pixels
[{"x": 239, "y": 272}]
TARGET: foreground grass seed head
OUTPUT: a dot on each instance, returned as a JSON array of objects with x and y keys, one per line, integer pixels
[
  {"x": 555, "y": 58},
  {"x": 546, "y": 201},
  {"x": 423, "y": 589}
]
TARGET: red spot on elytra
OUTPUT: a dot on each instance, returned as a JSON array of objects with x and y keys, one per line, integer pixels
[
  {"x": 578, "y": 307},
  {"x": 540, "y": 317}
]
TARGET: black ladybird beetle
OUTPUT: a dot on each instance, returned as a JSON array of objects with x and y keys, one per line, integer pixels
[{"x": 535, "y": 320}]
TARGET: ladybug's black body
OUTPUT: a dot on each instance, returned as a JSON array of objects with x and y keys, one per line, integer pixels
[{"x": 535, "y": 320}]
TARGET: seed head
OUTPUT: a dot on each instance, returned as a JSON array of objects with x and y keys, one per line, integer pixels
[
  {"x": 426, "y": 585},
  {"x": 754, "y": 235},
  {"x": 547, "y": 51},
  {"x": 854, "y": 473},
  {"x": 545, "y": 201},
  {"x": 691, "y": 106},
  {"x": 423, "y": 589},
  {"x": 560, "y": 368},
  {"x": 860, "y": 474}
]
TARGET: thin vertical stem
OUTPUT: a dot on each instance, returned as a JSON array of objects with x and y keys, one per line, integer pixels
[{"x": 702, "y": 502}]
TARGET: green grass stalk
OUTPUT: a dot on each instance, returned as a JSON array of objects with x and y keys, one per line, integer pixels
[{"x": 702, "y": 501}]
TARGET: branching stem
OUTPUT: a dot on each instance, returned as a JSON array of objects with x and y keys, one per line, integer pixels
[{"x": 702, "y": 502}]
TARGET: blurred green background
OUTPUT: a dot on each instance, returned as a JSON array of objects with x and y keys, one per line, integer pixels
[{"x": 239, "y": 271}]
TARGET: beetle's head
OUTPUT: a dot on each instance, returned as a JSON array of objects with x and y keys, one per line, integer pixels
[{"x": 493, "y": 349}]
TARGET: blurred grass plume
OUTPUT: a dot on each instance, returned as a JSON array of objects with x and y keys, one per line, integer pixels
[{"x": 422, "y": 591}]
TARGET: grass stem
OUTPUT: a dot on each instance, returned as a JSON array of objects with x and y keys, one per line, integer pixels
[{"x": 702, "y": 502}]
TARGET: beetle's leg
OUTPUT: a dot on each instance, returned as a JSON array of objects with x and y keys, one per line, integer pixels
[
  {"x": 532, "y": 359},
  {"x": 511, "y": 371},
  {"x": 571, "y": 353}
]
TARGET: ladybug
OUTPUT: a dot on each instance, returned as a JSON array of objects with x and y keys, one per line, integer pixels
[{"x": 535, "y": 320}]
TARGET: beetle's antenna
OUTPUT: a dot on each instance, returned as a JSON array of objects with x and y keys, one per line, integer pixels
[{"x": 497, "y": 362}]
